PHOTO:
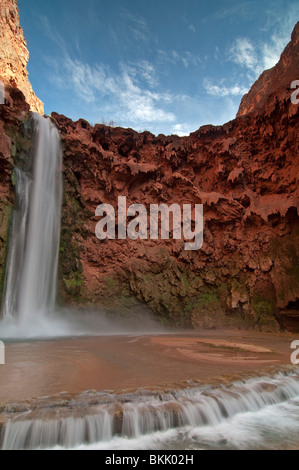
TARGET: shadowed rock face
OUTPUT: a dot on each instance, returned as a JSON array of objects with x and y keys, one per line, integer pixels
[
  {"x": 245, "y": 173},
  {"x": 14, "y": 54}
]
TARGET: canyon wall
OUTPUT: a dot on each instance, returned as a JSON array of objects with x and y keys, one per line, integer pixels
[
  {"x": 245, "y": 173},
  {"x": 14, "y": 54}
]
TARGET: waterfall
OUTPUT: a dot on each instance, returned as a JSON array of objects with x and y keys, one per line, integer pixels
[{"x": 30, "y": 283}]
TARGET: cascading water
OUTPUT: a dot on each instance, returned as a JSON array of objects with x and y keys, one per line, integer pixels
[
  {"x": 30, "y": 285},
  {"x": 254, "y": 414}
]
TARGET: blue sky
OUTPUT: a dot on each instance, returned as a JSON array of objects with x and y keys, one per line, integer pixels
[{"x": 167, "y": 66}]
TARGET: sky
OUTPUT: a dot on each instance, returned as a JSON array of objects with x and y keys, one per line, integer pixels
[{"x": 166, "y": 66}]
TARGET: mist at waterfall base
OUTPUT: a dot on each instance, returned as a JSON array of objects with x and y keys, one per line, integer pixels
[
  {"x": 66, "y": 322},
  {"x": 29, "y": 298}
]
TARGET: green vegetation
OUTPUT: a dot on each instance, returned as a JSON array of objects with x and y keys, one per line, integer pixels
[
  {"x": 185, "y": 280},
  {"x": 70, "y": 272},
  {"x": 264, "y": 310},
  {"x": 73, "y": 286},
  {"x": 110, "y": 281}
]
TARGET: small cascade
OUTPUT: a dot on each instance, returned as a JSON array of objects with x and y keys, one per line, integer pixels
[{"x": 201, "y": 416}]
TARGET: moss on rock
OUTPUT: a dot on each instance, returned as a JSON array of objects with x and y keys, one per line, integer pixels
[{"x": 264, "y": 310}]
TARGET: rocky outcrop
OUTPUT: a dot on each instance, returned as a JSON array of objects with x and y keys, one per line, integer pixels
[
  {"x": 14, "y": 54},
  {"x": 274, "y": 84},
  {"x": 245, "y": 173}
]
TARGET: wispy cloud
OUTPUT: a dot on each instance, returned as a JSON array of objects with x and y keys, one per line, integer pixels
[
  {"x": 259, "y": 57},
  {"x": 253, "y": 57},
  {"x": 281, "y": 26},
  {"x": 189, "y": 25},
  {"x": 186, "y": 58},
  {"x": 143, "y": 71},
  {"x": 222, "y": 90},
  {"x": 271, "y": 51},
  {"x": 242, "y": 10},
  {"x": 244, "y": 53},
  {"x": 256, "y": 57},
  {"x": 48, "y": 32},
  {"x": 136, "y": 25},
  {"x": 134, "y": 102},
  {"x": 281, "y": 23}
]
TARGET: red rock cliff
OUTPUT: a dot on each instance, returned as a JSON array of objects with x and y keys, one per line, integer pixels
[
  {"x": 246, "y": 175},
  {"x": 14, "y": 54}
]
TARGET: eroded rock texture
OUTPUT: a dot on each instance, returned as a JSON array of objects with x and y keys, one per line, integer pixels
[
  {"x": 14, "y": 54},
  {"x": 246, "y": 175}
]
